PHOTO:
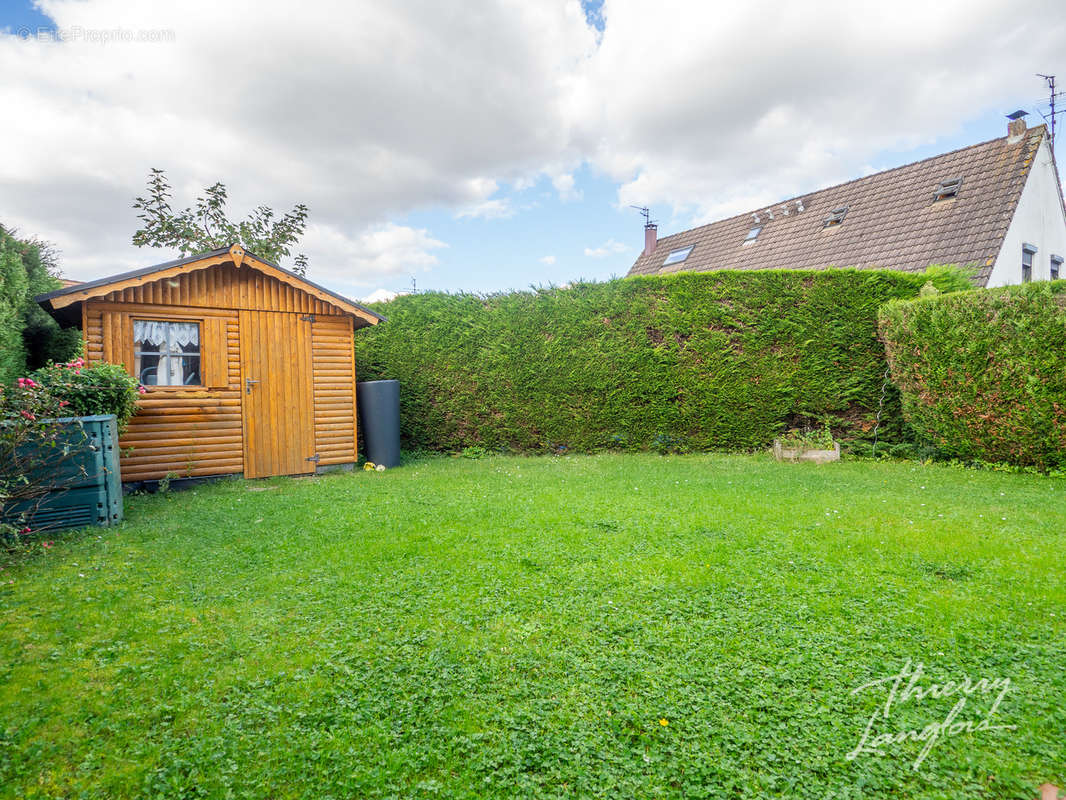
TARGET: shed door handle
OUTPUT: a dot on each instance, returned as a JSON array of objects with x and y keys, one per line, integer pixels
[{"x": 248, "y": 385}]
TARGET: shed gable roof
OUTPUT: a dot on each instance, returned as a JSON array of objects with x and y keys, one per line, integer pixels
[
  {"x": 66, "y": 298},
  {"x": 891, "y": 222}
]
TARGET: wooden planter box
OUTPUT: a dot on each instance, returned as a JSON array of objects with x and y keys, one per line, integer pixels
[{"x": 782, "y": 453}]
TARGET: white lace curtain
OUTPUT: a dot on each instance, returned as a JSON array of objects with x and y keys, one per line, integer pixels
[{"x": 176, "y": 335}]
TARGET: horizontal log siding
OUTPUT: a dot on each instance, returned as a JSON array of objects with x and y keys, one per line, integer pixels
[
  {"x": 196, "y": 432},
  {"x": 188, "y": 432},
  {"x": 333, "y": 377}
]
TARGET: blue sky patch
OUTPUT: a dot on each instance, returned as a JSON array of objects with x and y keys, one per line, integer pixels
[{"x": 24, "y": 19}]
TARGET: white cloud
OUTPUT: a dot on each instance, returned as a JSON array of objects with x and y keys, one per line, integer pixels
[
  {"x": 564, "y": 186},
  {"x": 363, "y": 111},
  {"x": 380, "y": 296},
  {"x": 369, "y": 111},
  {"x": 523, "y": 182},
  {"x": 548, "y": 260},
  {"x": 497, "y": 208},
  {"x": 344, "y": 261},
  {"x": 755, "y": 102},
  {"x": 610, "y": 247}
]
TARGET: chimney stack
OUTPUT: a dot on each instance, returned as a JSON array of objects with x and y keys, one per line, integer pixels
[
  {"x": 1016, "y": 126},
  {"x": 650, "y": 237}
]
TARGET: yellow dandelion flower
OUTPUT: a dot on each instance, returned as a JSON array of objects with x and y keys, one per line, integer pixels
[{"x": 663, "y": 722}]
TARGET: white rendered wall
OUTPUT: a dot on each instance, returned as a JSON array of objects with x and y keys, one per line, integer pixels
[{"x": 1039, "y": 220}]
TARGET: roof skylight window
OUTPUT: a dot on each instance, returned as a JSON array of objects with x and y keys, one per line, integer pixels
[
  {"x": 948, "y": 189},
  {"x": 677, "y": 256},
  {"x": 753, "y": 234},
  {"x": 836, "y": 216}
]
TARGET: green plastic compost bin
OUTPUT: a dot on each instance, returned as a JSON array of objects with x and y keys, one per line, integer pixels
[{"x": 81, "y": 473}]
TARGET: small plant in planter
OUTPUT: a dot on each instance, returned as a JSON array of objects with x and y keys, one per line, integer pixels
[{"x": 799, "y": 445}]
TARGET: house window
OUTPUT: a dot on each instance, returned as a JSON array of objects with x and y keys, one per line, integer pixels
[
  {"x": 1028, "y": 251},
  {"x": 677, "y": 256},
  {"x": 1056, "y": 266},
  {"x": 946, "y": 190},
  {"x": 836, "y": 216},
  {"x": 166, "y": 353},
  {"x": 753, "y": 234}
]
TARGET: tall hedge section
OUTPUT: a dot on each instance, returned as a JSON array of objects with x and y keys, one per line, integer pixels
[
  {"x": 983, "y": 373},
  {"x": 693, "y": 361}
]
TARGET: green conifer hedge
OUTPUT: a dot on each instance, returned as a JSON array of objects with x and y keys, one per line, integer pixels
[
  {"x": 692, "y": 361},
  {"x": 983, "y": 373}
]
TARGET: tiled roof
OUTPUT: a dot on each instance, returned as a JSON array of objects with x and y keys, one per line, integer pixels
[{"x": 891, "y": 221}]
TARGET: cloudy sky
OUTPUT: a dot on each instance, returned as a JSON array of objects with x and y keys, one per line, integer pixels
[{"x": 487, "y": 144}]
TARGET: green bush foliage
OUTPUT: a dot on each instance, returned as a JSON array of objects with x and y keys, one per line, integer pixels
[
  {"x": 693, "y": 361},
  {"x": 85, "y": 391},
  {"x": 29, "y": 337},
  {"x": 983, "y": 373}
]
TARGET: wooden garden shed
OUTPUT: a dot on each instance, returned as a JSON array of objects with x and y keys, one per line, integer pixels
[{"x": 249, "y": 368}]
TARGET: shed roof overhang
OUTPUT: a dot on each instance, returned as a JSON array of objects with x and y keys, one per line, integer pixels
[{"x": 65, "y": 304}]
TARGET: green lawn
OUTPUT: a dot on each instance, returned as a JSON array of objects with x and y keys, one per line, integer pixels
[{"x": 611, "y": 626}]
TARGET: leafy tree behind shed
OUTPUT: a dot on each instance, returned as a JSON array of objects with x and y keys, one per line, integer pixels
[{"x": 205, "y": 226}]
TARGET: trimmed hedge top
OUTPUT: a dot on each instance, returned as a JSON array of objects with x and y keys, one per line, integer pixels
[
  {"x": 983, "y": 373},
  {"x": 693, "y": 361}
]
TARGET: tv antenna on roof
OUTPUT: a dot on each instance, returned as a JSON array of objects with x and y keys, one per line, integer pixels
[
  {"x": 646, "y": 213},
  {"x": 1050, "y": 80}
]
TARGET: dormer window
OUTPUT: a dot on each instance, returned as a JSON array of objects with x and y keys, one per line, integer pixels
[
  {"x": 677, "y": 256},
  {"x": 947, "y": 190},
  {"x": 836, "y": 217},
  {"x": 753, "y": 234}
]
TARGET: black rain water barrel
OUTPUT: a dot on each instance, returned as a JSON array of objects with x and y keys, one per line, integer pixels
[{"x": 379, "y": 418}]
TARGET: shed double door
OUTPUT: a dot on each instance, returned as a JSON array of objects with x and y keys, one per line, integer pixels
[{"x": 277, "y": 395}]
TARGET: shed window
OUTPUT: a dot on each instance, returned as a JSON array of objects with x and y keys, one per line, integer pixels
[
  {"x": 166, "y": 353},
  {"x": 677, "y": 256},
  {"x": 836, "y": 217},
  {"x": 1028, "y": 251},
  {"x": 1056, "y": 267},
  {"x": 946, "y": 190}
]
